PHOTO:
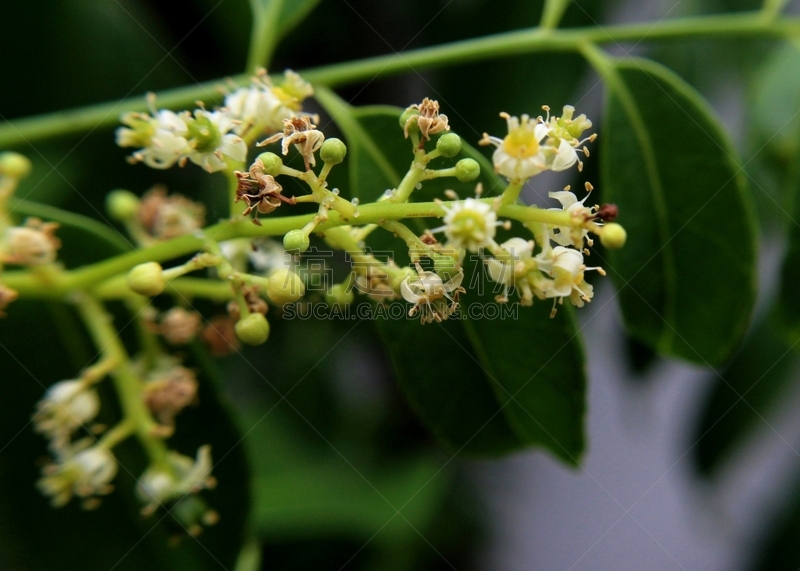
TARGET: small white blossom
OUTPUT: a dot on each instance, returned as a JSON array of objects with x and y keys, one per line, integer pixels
[
  {"x": 519, "y": 155},
  {"x": 211, "y": 140},
  {"x": 85, "y": 473},
  {"x": 66, "y": 406},
  {"x": 566, "y": 267},
  {"x": 564, "y": 235},
  {"x": 470, "y": 224},
  {"x": 184, "y": 476},
  {"x": 433, "y": 298},
  {"x": 264, "y": 105},
  {"x": 503, "y": 272},
  {"x": 160, "y": 138}
]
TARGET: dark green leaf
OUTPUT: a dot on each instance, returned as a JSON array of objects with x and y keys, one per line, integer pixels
[
  {"x": 687, "y": 273},
  {"x": 742, "y": 393}
]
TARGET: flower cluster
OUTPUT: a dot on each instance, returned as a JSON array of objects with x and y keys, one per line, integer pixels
[{"x": 212, "y": 139}]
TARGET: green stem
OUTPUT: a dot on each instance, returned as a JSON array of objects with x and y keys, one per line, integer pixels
[
  {"x": 518, "y": 42},
  {"x": 553, "y": 12},
  {"x": 62, "y": 283},
  {"x": 148, "y": 341},
  {"x": 511, "y": 193},
  {"x": 117, "y": 434},
  {"x": 127, "y": 384},
  {"x": 264, "y": 34}
]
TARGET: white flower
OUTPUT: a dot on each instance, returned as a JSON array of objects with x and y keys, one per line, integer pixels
[
  {"x": 519, "y": 155},
  {"x": 210, "y": 140},
  {"x": 565, "y": 235},
  {"x": 434, "y": 299},
  {"x": 264, "y": 105},
  {"x": 161, "y": 138},
  {"x": 505, "y": 272},
  {"x": 265, "y": 255},
  {"x": 66, "y": 406},
  {"x": 183, "y": 476},
  {"x": 567, "y": 269},
  {"x": 469, "y": 224},
  {"x": 84, "y": 473}
]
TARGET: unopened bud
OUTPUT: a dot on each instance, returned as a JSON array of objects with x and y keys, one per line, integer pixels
[
  {"x": 295, "y": 242},
  {"x": 147, "y": 279},
  {"x": 14, "y": 165},
  {"x": 613, "y": 236},
  {"x": 467, "y": 170},
  {"x": 284, "y": 287},
  {"x": 333, "y": 151},
  {"x": 412, "y": 127},
  {"x": 253, "y": 329},
  {"x": 449, "y": 145},
  {"x": 272, "y": 163},
  {"x": 122, "y": 205}
]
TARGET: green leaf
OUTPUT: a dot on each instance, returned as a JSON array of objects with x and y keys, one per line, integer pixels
[
  {"x": 686, "y": 275},
  {"x": 488, "y": 386},
  {"x": 743, "y": 392},
  {"x": 483, "y": 386},
  {"x": 775, "y": 98}
]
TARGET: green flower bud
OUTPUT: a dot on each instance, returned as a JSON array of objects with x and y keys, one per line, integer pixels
[
  {"x": 339, "y": 295},
  {"x": 122, "y": 204},
  {"x": 408, "y": 114},
  {"x": 284, "y": 287},
  {"x": 446, "y": 267},
  {"x": 253, "y": 329},
  {"x": 147, "y": 279},
  {"x": 14, "y": 165},
  {"x": 449, "y": 145},
  {"x": 613, "y": 236},
  {"x": 333, "y": 151},
  {"x": 295, "y": 242},
  {"x": 272, "y": 163},
  {"x": 467, "y": 170}
]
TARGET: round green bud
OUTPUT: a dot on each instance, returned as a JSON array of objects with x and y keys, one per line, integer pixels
[
  {"x": 406, "y": 115},
  {"x": 284, "y": 287},
  {"x": 295, "y": 242},
  {"x": 272, "y": 163},
  {"x": 14, "y": 165},
  {"x": 147, "y": 279},
  {"x": 467, "y": 170},
  {"x": 339, "y": 295},
  {"x": 122, "y": 204},
  {"x": 252, "y": 329},
  {"x": 449, "y": 145},
  {"x": 446, "y": 267},
  {"x": 333, "y": 151},
  {"x": 613, "y": 236}
]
